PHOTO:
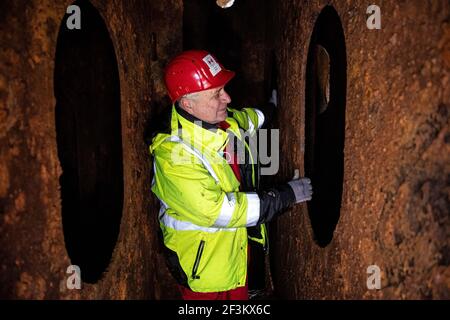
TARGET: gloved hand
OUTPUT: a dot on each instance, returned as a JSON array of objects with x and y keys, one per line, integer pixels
[
  {"x": 302, "y": 188},
  {"x": 273, "y": 98}
]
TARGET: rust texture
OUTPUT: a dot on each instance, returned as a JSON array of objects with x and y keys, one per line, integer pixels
[
  {"x": 396, "y": 184},
  {"x": 395, "y": 202}
]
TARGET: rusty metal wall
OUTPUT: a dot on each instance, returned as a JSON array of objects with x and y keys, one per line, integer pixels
[
  {"x": 33, "y": 259},
  {"x": 395, "y": 200}
]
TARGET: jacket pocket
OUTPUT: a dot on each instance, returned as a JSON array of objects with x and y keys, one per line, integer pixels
[{"x": 198, "y": 257}]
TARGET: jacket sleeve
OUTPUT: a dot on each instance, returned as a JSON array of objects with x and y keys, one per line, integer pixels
[{"x": 192, "y": 193}]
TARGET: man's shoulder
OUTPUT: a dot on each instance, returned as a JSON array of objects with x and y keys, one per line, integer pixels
[{"x": 171, "y": 150}]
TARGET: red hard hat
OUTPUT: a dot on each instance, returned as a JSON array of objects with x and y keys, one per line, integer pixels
[{"x": 193, "y": 71}]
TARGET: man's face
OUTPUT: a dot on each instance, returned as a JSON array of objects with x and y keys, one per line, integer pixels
[{"x": 209, "y": 105}]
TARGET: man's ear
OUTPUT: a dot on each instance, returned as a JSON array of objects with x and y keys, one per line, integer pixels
[{"x": 186, "y": 104}]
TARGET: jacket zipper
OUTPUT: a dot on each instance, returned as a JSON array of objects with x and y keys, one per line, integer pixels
[{"x": 197, "y": 260}]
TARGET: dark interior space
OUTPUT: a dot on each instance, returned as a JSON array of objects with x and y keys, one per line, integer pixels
[
  {"x": 208, "y": 27},
  {"x": 325, "y": 96},
  {"x": 88, "y": 127},
  {"x": 236, "y": 36}
]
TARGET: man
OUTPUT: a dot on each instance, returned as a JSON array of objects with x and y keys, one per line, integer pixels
[{"x": 209, "y": 206}]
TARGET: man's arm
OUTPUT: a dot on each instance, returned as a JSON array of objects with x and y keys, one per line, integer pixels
[
  {"x": 193, "y": 193},
  {"x": 275, "y": 200}
]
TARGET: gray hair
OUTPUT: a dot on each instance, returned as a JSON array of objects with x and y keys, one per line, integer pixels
[{"x": 190, "y": 96}]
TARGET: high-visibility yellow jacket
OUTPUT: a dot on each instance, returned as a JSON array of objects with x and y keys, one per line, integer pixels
[{"x": 203, "y": 216}]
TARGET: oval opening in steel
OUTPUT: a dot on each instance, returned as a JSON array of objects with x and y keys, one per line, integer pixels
[
  {"x": 326, "y": 81},
  {"x": 89, "y": 142}
]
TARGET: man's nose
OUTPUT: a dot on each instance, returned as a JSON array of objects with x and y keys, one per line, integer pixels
[{"x": 225, "y": 97}]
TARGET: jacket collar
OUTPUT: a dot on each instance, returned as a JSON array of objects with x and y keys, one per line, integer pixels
[
  {"x": 194, "y": 132},
  {"x": 193, "y": 119}
]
